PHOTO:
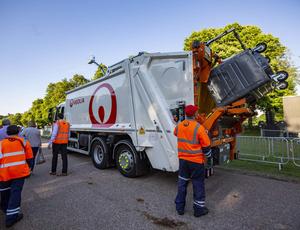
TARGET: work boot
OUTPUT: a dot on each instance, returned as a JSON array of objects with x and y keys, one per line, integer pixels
[
  {"x": 201, "y": 212},
  {"x": 9, "y": 224}
]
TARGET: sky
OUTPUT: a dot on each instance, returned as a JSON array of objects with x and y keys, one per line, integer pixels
[{"x": 45, "y": 41}]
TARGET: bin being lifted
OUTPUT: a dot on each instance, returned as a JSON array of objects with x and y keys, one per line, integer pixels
[{"x": 127, "y": 117}]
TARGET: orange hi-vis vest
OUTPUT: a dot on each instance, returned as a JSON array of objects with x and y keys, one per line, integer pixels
[
  {"x": 14, "y": 151},
  {"x": 63, "y": 132},
  {"x": 191, "y": 137}
]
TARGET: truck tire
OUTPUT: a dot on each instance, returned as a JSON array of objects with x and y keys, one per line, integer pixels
[
  {"x": 100, "y": 153},
  {"x": 129, "y": 162}
]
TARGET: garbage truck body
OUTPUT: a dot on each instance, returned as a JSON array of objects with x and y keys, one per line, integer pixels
[{"x": 127, "y": 117}]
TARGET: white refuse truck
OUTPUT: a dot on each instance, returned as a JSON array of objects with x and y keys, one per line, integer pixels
[{"x": 127, "y": 117}]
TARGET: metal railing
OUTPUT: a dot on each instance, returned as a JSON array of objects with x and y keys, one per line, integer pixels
[
  {"x": 295, "y": 150},
  {"x": 273, "y": 150}
]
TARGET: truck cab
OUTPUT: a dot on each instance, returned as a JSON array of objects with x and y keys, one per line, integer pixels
[{"x": 53, "y": 112}]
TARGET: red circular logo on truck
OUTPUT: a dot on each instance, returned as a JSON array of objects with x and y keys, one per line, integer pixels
[{"x": 101, "y": 110}]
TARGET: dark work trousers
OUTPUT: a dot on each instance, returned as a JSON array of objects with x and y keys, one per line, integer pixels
[
  {"x": 11, "y": 198},
  {"x": 34, "y": 151},
  {"x": 195, "y": 172},
  {"x": 59, "y": 149}
]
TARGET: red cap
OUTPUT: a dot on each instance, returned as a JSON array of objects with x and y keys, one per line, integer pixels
[{"x": 190, "y": 110}]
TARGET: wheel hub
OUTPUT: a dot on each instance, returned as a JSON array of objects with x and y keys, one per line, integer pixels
[
  {"x": 126, "y": 161},
  {"x": 98, "y": 154}
]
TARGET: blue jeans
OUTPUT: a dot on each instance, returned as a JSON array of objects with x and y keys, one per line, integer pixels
[
  {"x": 195, "y": 172},
  {"x": 11, "y": 198}
]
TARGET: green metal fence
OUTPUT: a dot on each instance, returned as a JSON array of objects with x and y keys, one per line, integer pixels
[{"x": 273, "y": 150}]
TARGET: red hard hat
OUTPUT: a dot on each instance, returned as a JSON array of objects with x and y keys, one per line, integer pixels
[{"x": 190, "y": 110}]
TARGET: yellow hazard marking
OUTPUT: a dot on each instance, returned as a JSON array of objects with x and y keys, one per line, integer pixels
[{"x": 142, "y": 131}]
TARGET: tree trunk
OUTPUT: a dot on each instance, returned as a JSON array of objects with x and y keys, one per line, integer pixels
[{"x": 270, "y": 121}]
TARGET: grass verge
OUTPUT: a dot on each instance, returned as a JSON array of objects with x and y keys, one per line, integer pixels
[{"x": 289, "y": 171}]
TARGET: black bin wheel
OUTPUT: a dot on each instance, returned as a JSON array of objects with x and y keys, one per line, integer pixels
[
  {"x": 282, "y": 85},
  {"x": 260, "y": 47},
  {"x": 282, "y": 75}
]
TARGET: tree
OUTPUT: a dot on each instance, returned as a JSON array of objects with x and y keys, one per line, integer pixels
[
  {"x": 15, "y": 119},
  {"x": 26, "y": 117},
  {"x": 99, "y": 73},
  {"x": 252, "y": 35},
  {"x": 55, "y": 94},
  {"x": 36, "y": 112},
  {"x": 77, "y": 80}
]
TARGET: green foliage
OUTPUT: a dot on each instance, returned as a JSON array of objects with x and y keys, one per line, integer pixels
[
  {"x": 99, "y": 72},
  {"x": 1, "y": 119},
  {"x": 26, "y": 117},
  {"x": 257, "y": 119},
  {"x": 56, "y": 94},
  {"x": 15, "y": 118},
  {"x": 252, "y": 35}
]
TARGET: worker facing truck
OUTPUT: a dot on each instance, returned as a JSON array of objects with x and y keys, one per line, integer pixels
[
  {"x": 126, "y": 118},
  {"x": 193, "y": 143},
  {"x": 59, "y": 142}
]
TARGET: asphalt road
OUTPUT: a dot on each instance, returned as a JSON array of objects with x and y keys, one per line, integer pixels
[{"x": 103, "y": 199}]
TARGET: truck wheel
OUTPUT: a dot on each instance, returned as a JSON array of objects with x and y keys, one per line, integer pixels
[
  {"x": 129, "y": 161},
  {"x": 100, "y": 153}
]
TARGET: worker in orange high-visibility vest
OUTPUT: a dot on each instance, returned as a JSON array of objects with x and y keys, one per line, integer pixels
[
  {"x": 193, "y": 145},
  {"x": 16, "y": 158},
  {"x": 59, "y": 141}
]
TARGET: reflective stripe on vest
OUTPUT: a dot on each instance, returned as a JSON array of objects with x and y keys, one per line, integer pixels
[
  {"x": 195, "y": 140},
  {"x": 190, "y": 151},
  {"x": 14, "y": 154},
  {"x": 12, "y": 164}
]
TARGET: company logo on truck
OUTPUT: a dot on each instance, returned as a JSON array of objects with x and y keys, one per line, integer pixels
[
  {"x": 98, "y": 119},
  {"x": 76, "y": 101}
]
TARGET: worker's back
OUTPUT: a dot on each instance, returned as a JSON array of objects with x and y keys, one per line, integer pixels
[
  {"x": 13, "y": 158},
  {"x": 191, "y": 137}
]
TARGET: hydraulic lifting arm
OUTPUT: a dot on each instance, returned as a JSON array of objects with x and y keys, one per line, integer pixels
[
  {"x": 203, "y": 61},
  {"x": 233, "y": 109}
]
